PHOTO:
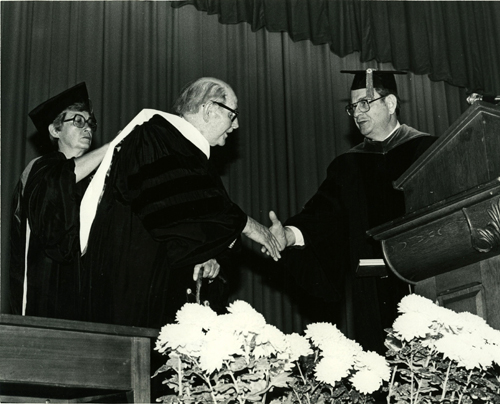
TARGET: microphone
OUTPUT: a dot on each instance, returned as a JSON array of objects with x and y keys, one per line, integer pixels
[{"x": 474, "y": 97}]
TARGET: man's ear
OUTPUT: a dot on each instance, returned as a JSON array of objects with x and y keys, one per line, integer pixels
[
  {"x": 53, "y": 131},
  {"x": 207, "y": 110},
  {"x": 392, "y": 102}
]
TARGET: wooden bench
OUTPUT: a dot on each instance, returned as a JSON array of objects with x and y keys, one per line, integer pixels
[{"x": 73, "y": 361}]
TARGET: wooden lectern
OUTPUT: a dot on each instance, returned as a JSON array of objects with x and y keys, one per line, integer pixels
[{"x": 448, "y": 242}]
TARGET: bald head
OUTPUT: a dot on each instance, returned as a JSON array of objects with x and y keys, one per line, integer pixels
[{"x": 210, "y": 105}]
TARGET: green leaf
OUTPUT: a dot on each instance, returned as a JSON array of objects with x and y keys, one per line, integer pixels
[
  {"x": 263, "y": 364},
  {"x": 253, "y": 376},
  {"x": 281, "y": 380},
  {"x": 224, "y": 387},
  {"x": 239, "y": 364}
]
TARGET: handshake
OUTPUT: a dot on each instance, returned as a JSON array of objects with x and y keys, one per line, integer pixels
[{"x": 274, "y": 239}]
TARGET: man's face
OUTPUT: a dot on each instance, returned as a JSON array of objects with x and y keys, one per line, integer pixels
[
  {"x": 221, "y": 124},
  {"x": 375, "y": 123},
  {"x": 73, "y": 138}
]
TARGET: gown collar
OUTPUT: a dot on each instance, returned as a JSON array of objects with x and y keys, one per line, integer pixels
[
  {"x": 395, "y": 138},
  {"x": 190, "y": 133}
]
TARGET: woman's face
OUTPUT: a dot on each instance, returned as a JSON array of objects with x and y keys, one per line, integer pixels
[{"x": 71, "y": 139}]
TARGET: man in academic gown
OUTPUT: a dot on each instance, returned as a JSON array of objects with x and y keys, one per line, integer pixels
[
  {"x": 328, "y": 237},
  {"x": 45, "y": 220},
  {"x": 165, "y": 217}
]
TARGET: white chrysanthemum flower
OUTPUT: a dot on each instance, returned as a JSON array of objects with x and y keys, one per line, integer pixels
[
  {"x": 226, "y": 322},
  {"x": 240, "y": 307},
  {"x": 343, "y": 356},
  {"x": 178, "y": 335},
  {"x": 375, "y": 363},
  {"x": 493, "y": 352},
  {"x": 330, "y": 370},
  {"x": 264, "y": 350},
  {"x": 323, "y": 334},
  {"x": 193, "y": 342},
  {"x": 366, "y": 381},
  {"x": 471, "y": 322},
  {"x": 491, "y": 335},
  {"x": 272, "y": 335},
  {"x": 299, "y": 346},
  {"x": 245, "y": 318},
  {"x": 421, "y": 305},
  {"x": 342, "y": 347},
  {"x": 234, "y": 324},
  {"x": 464, "y": 350},
  {"x": 196, "y": 314},
  {"x": 416, "y": 304},
  {"x": 161, "y": 340},
  {"x": 412, "y": 325},
  {"x": 217, "y": 348}
]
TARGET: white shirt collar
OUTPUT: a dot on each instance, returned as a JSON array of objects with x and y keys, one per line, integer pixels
[{"x": 398, "y": 125}]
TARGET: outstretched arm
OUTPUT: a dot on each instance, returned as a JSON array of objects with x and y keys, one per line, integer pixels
[
  {"x": 262, "y": 235},
  {"x": 284, "y": 235},
  {"x": 87, "y": 163}
]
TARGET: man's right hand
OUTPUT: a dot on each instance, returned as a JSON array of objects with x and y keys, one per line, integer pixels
[
  {"x": 284, "y": 235},
  {"x": 278, "y": 230},
  {"x": 262, "y": 235}
]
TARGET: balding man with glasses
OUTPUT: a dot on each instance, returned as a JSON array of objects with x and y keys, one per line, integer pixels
[
  {"x": 165, "y": 220},
  {"x": 328, "y": 237}
]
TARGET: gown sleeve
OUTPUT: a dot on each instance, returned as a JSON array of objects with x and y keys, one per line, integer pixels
[
  {"x": 52, "y": 206},
  {"x": 319, "y": 266},
  {"x": 17, "y": 252},
  {"x": 176, "y": 193}
]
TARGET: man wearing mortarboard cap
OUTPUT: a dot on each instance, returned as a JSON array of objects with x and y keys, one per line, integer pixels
[
  {"x": 375, "y": 110},
  {"x": 44, "y": 267},
  {"x": 330, "y": 232}
]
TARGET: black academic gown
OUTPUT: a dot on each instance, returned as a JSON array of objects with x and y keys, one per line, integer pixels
[
  {"x": 356, "y": 196},
  {"x": 48, "y": 196},
  {"x": 164, "y": 210}
]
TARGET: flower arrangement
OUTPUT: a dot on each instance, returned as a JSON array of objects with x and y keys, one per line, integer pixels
[
  {"x": 434, "y": 355},
  {"x": 338, "y": 371},
  {"x": 238, "y": 358},
  {"x": 438, "y": 355}
]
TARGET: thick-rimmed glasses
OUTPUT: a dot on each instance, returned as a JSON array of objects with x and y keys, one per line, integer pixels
[
  {"x": 79, "y": 121},
  {"x": 363, "y": 105},
  {"x": 235, "y": 112}
]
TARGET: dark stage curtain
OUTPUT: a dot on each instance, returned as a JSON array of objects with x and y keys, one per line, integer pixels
[
  {"x": 452, "y": 41},
  {"x": 139, "y": 54}
]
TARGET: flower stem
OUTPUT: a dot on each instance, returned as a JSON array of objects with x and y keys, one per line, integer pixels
[
  {"x": 265, "y": 391},
  {"x": 298, "y": 397},
  {"x": 234, "y": 381},
  {"x": 206, "y": 379},
  {"x": 445, "y": 382},
  {"x": 179, "y": 373},
  {"x": 412, "y": 379},
  {"x": 391, "y": 384},
  {"x": 465, "y": 387},
  {"x": 301, "y": 374}
]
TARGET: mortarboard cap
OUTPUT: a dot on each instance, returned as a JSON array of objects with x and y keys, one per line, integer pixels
[
  {"x": 372, "y": 78},
  {"x": 43, "y": 115}
]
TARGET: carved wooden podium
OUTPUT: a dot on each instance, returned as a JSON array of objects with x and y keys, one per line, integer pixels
[{"x": 448, "y": 242}]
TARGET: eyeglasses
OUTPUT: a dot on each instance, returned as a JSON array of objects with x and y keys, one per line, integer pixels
[
  {"x": 79, "y": 121},
  {"x": 235, "y": 112},
  {"x": 364, "y": 106}
]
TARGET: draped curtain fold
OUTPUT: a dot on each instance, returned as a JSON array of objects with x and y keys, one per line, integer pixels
[
  {"x": 450, "y": 41},
  {"x": 136, "y": 54}
]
